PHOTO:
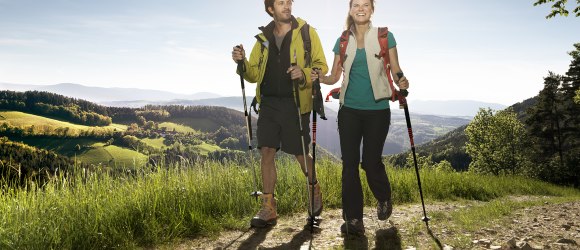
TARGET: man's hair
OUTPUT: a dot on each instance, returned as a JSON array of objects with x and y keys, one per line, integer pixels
[{"x": 270, "y": 3}]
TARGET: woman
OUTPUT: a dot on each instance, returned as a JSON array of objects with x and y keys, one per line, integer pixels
[{"x": 364, "y": 113}]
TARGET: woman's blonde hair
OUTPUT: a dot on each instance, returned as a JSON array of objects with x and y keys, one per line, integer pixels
[{"x": 349, "y": 21}]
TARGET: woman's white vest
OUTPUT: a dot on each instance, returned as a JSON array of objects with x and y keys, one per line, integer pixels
[{"x": 379, "y": 80}]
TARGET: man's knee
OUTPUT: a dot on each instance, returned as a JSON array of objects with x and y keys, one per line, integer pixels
[{"x": 268, "y": 153}]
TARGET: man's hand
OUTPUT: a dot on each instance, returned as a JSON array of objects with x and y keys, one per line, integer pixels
[
  {"x": 238, "y": 53},
  {"x": 296, "y": 73}
]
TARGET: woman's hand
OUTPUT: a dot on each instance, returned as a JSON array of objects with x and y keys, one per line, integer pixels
[
  {"x": 315, "y": 74},
  {"x": 403, "y": 83}
]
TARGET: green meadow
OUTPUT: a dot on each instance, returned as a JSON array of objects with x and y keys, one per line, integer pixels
[
  {"x": 40, "y": 123},
  {"x": 170, "y": 126}
]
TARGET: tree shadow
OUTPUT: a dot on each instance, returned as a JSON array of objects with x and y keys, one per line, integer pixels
[
  {"x": 388, "y": 238},
  {"x": 254, "y": 240}
]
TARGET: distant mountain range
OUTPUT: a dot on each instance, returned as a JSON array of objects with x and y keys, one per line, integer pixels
[
  {"x": 103, "y": 95},
  {"x": 133, "y": 97}
]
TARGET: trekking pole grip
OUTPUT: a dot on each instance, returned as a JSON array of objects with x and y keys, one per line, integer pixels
[
  {"x": 403, "y": 92},
  {"x": 241, "y": 67}
]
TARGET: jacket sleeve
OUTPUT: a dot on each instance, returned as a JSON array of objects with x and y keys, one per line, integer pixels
[
  {"x": 318, "y": 58},
  {"x": 252, "y": 66}
]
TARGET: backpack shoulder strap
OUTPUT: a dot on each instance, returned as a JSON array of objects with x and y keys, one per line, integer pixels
[
  {"x": 384, "y": 42},
  {"x": 343, "y": 44},
  {"x": 305, "y": 33}
]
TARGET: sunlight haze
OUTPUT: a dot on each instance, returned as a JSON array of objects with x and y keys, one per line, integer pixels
[{"x": 493, "y": 51}]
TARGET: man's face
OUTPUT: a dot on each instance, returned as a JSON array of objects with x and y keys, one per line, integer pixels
[{"x": 282, "y": 10}]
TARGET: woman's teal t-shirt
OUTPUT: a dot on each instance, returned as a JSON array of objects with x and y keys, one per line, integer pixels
[{"x": 359, "y": 94}]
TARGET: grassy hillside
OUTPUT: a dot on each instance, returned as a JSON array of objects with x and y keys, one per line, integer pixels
[
  {"x": 40, "y": 123},
  {"x": 156, "y": 143},
  {"x": 171, "y": 126},
  {"x": 181, "y": 201},
  {"x": 92, "y": 151},
  {"x": 202, "y": 124},
  {"x": 207, "y": 148}
]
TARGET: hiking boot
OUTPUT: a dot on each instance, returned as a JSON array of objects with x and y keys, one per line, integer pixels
[
  {"x": 354, "y": 227},
  {"x": 267, "y": 216},
  {"x": 384, "y": 209},
  {"x": 317, "y": 201}
]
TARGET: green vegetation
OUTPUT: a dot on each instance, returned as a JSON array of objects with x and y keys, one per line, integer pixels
[
  {"x": 559, "y": 8},
  {"x": 170, "y": 126},
  {"x": 156, "y": 143},
  {"x": 112, "y": 155},
  {"x": 205, "y": 148},
  {"x": 42, "y": 125},
  {"x": 187, "y": 200},
  {"x": 89, "y": 151},
  {"x": 202, "y": 124},
  {"x": 497, "y": 144}
]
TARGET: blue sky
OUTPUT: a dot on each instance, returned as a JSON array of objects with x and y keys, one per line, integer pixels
[{"x": 494, "y": 50}]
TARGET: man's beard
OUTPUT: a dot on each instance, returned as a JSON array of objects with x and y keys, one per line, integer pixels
[{"x": 283, "y": 19}]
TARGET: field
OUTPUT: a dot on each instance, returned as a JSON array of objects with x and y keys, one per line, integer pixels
[
  {"x": 91, "y": 152},
  {"x": 202, "y": 124},
  {"x": 170, "y": 126},
  {"x": 156, "y": 143},
  {"x": 39, "y": 123}
]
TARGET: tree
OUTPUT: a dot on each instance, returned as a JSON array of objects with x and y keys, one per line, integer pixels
[
  {"x": 553, "y": 125},
  {"x": 559, "y": 7},
  {"x": 577, "y": 97},
  {"x": 230, "y": 143},
  {"x": 497, "y": 143}
]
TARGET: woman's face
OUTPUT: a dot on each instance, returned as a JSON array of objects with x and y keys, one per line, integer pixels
[{"x": 361, "y": 11}]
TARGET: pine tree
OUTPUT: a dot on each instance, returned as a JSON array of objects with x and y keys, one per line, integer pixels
[{"x": 554, "y": 125}]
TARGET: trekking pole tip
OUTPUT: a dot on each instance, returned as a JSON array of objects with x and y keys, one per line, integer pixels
[{"x": 256, "y": 194}]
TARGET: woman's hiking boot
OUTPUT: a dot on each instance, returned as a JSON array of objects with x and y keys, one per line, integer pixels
[
  {"x": 354, "y": 227},
  {"x": 317, "y": 201},
  {"x": 267, "y": 215},
  {"x": 384, "y": 209}
]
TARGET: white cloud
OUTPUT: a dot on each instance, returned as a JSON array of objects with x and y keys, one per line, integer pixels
[{"x": 21, "y": 42}]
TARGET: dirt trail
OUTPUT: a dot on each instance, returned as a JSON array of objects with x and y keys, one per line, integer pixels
[{"x": 543, "y": 227}]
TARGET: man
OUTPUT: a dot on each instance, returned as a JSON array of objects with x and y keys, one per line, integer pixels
[{"x": 277, "y": 62}]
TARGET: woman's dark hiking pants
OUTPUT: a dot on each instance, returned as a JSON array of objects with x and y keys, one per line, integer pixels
[{"x": 372, "y": 127}]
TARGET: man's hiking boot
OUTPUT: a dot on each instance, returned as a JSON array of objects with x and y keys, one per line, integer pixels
[
  {"x": 267, "y": 215},
  {"x": 384, "y": 209},
  {"x": 317, "y": 201},
  {"x": 354, "y": 227}
]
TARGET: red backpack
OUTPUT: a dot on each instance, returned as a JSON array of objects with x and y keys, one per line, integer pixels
[{"x": 384, "y": 43}]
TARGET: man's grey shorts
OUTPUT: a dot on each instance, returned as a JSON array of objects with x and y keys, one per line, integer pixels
[{"x": 278, "y": 126}]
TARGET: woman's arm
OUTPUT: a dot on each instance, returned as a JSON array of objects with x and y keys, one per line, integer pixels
[
  {"x": 334, "y": 74},
  {"x": 403, "y": 83}
]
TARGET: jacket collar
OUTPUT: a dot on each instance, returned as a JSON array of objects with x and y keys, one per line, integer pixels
[
  {"x": 353, "y": 29},
  {"x": 269, "y": 29}
]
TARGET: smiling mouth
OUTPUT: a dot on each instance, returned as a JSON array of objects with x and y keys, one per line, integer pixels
[{"x": 361, "y": 14}]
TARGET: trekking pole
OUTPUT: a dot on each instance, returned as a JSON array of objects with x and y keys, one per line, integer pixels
[
  {"x": 248, "y": 116},
  {"x": 297, "y": 98},
  {"x": 315, "y": 94},
  {"x": 403, "y": 104}
]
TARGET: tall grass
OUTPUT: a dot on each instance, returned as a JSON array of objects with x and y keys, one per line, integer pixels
[{"x": 186, "y": 200}]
